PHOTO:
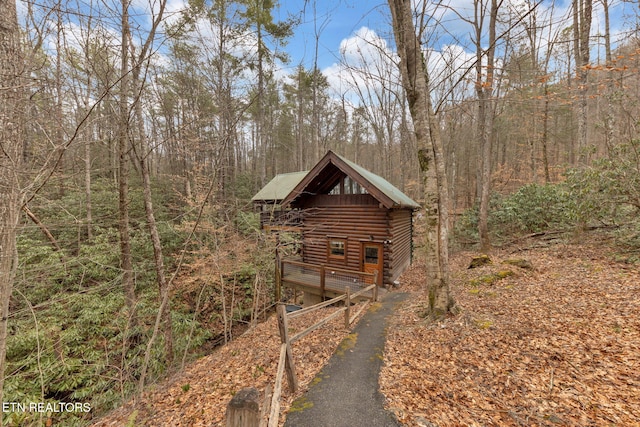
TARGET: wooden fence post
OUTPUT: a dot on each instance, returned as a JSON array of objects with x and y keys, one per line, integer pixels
[
  {"x": 375, "y": 289},
  {"x": 244, "y": 409},
  {"x": 347, "y": 311},
  {"x": 266, "y": 407},
  {"x": 278, "y": 276},
  {"x": 292, "y": 378},
  {"x": 322, "y": 282}
]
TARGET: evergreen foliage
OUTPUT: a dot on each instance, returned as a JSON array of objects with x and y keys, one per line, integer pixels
[
  {"x": 67, "y": 330},
  {"x": 604, "y": 194}
]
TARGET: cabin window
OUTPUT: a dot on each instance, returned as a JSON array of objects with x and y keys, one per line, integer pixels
[
  {"x": 337, "y": 248},
  {"x": 371, "y": 254},
  {"x": 347, "y": 186}
]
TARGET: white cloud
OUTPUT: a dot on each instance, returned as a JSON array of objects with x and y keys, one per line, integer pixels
[
  {"x": 363, "y": 47},
  {"x": 367, "y": 72},
  {"x": 173, "y": 10},
  {"x": 366, "y": 67}
]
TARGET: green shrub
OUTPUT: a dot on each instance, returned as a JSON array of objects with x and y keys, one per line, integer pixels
[
  {"x": 69, "y": 322},
  {"x": 533, "y": 208},
  {"x": 247, "y": 223},
  {"x": 609, "y": 190},
  {"x": 604, "y": 193}
]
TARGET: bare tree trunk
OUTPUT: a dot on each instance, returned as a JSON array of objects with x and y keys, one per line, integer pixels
[
  {"x": 300, "y": 139},
  {"x": 164, "y": 313},
  {"x": 87, "y": 184},
  {"x": 42, "y": 227},
  {"x": 315, "y": 113},
  {"x": 88, "y": 136},
  {"x": 153, "y": 231},
  {"x": 430, "y": 156},
  {"x": 58, "y": 126},
  {"x": 545, "y": 135},
  {"x": 610, "y": 119},
  {"x": 12, "y": 97},
  {"x": 582, "y": 10},
  {"x": 261, "y": 139},
  {"x": 123, "y": 147},
  {"x": 484, "y": 90}
]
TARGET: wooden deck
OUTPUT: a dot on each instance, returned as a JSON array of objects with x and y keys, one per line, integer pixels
[
  {"x": 322, "y": 280},
  {"x": 276, "y": 220}
]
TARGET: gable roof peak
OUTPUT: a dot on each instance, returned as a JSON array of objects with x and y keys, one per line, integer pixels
[{"x": 378, "y": 187}]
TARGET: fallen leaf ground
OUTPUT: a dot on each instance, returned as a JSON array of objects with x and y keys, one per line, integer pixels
[
  {"x": 199, "y": 395},
  {"x": 556, "y": 345}
]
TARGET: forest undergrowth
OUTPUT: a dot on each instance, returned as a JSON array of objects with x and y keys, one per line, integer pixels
[{"x": 70, "y": 337}]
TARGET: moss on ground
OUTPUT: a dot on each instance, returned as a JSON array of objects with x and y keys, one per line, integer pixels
[
  {"x": 347, "y": 344},
  {"x": 300, "y": 404}
]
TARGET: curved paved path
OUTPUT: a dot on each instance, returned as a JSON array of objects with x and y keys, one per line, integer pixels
[{"x": 345, "y": 393}]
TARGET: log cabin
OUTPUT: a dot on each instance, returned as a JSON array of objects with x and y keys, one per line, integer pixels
[{"x": 350, "y": 220}]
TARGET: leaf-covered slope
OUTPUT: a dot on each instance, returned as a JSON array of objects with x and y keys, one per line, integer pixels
[{"x": 557, "y": 345}]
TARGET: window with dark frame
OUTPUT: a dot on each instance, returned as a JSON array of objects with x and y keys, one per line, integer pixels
[
  {"x": 371, "y": 255},
  {"x": 346, "y": 185}
]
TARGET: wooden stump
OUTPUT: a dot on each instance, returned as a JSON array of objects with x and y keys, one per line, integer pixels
[{"x": 244, "y": 409}]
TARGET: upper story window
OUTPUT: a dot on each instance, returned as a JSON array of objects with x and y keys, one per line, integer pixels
[{"x": 347, "y": 186}]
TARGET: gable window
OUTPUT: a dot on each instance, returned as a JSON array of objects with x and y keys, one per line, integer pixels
[
  {"x": 337, "y": 248},
  {"x": 346, "y": 185}
]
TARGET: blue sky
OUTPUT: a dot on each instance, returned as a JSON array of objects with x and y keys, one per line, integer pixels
[
  {"x": 356, "y": 34},
  {"x": 335, "y": 21},
  {"x": 339, "y": 20}
]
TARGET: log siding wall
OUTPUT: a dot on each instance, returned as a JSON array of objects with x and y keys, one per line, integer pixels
[
  {"x": 356, "y": 219},
  {"x": 401, "y": 247}
]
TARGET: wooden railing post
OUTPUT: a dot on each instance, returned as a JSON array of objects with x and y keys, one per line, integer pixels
[
  {"x": 244, "y": 409},
  {"x": 347, "y": 311},
  {"x": 278, "y": 277},
  {"x": 265, "y": 411},
  {"x": 284, "y": 339},
  {"x": 274, "y": 410},
  {"x": 322, "y": 281},
  {"x": 375, "y": 288}
]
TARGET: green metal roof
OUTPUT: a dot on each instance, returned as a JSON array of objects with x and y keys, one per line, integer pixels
[
  {"x": 279, "y": 187},
  {"x": 388, "y": 189},
  {"x": 282, "y": 185}
]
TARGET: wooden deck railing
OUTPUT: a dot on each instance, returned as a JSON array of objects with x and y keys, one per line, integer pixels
[
  {"x": 321, "y": 277},
  {"x": 246, "y": 414}
]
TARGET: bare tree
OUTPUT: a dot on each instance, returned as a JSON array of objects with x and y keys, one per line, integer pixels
[
  {"x": 486, "y": 132},
  {"x": 415, "y": 80},
  {"x": 124, "y": 148},
  {"x": 582, "y": 13},
  {"x": 12, "y": 97},
  {"x": 374, "y": 78},
  {"x": 609, "y": 120}
]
